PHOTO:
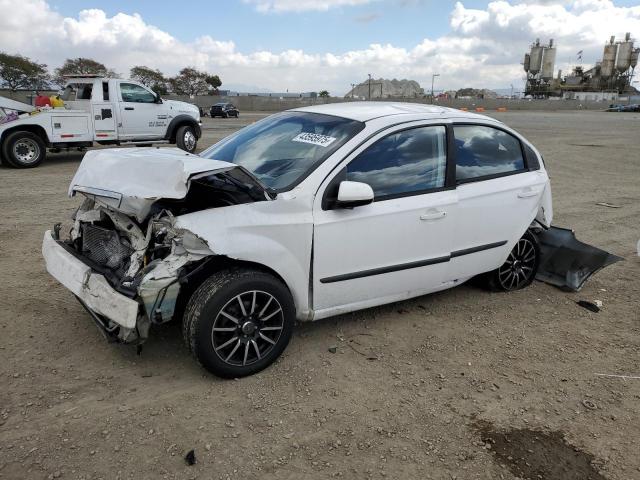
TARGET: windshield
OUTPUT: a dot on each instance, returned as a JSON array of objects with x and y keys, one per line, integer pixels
[{"x": 284, "y": 148}]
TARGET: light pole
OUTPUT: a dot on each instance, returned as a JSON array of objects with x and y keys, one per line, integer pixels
[
  {"x": 433, "y": 77},
  {"x": 511, "y": 97}
]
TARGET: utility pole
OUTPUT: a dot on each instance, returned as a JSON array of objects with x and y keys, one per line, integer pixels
[
  {"x": 369, "y": 98},
  {"x": 433, "y": 77},
  {"x": 511, "y": 97}
]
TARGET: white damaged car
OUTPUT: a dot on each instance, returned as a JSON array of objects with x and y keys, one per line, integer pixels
[{"x": 303, "y": 215}]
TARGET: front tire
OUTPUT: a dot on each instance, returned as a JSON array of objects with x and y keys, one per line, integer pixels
[
  {"x": 238, "y": 322},
  {"x": 24, "y": 150},
  {"x": 520, "y": 268},
  {"x": 186, "y": 139}
]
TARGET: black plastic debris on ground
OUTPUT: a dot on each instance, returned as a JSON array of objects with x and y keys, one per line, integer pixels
[
  {"x": 190, "y": 457},
  {"x": 567, "y": 262},
  {"x": 588, "y": 305}
]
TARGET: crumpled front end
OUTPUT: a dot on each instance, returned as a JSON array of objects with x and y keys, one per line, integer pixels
[{"x": 127, "y": 275}]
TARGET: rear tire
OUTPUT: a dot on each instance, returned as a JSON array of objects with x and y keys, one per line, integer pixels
[
  {"x": 186, "y": 139},
  {"x": 238, "y": 322},
  {"x": 23, "y": 150},
  {"x": 520, "y": 268}
]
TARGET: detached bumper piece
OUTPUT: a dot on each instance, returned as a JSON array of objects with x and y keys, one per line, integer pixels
[
  {"x": 92, "y": 289},
  {"x": 567, "y": 262}
]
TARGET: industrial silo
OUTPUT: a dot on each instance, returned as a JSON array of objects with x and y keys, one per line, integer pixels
[
  {"x": 548, "y": 61},
  {"x": 608, "y": 59},
  {"x": 535, "y": 58},
  {"x": 623, "y": 62},
  {"x": 634, "y": 58},
  {"x": 527, "y": 62}
]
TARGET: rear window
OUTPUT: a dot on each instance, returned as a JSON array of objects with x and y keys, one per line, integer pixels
[{"x": 283, "y": 149}]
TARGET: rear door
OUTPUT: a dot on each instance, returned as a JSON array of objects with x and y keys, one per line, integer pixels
[
  {"x": 141, "y": 117},
  {"x": 499, "y": 194},
  {"x": 104, "y": 116},
  {"x": 396, "y": 247}
]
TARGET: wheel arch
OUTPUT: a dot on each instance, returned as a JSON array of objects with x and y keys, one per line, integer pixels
[
  {"x": 180, "y": 121},
  {"x": 36, "y": 129},
  {"x": 206, "y": 267}
]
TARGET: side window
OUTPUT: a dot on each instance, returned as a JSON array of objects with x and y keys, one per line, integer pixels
[
  {"x": 84, "y": 92},
  {"x": 483, "y": 151},
  {"x": 410, "y": 161},
  {"x": 105, "y": 91},
  {"x": 135, "y": 93}
]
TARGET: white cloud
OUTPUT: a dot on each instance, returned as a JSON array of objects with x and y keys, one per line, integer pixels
[
  {"x": 302, "y": 5},
  {"x": 484, "y": 48}
]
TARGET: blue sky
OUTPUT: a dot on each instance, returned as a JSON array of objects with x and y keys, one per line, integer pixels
[
  {"x": 306, "y": 45},
  {"x": 402, "y": 23}
]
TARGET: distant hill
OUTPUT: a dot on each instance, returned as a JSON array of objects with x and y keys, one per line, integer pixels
[
  {"x": 476, "y": 93},
  {"x": 383, "y": 88}
]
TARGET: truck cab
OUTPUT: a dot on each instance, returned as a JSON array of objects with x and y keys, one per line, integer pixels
[{"x": 107, "y": 111}]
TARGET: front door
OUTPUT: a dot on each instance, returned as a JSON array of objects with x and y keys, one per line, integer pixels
[
  {"x": 395, "y": 247},
  {"x": 140, "y": 116}
]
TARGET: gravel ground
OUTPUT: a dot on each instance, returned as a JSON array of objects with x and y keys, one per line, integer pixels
[{"x": 454, "y": 375}]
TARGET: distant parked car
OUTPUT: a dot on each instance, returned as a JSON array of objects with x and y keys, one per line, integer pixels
[{"x": 224, "y": 110}]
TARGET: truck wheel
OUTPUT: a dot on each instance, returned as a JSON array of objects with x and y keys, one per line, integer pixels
[
  {"x": 24, "y": 150},
  {"x": 238, "y": 322},
  {"x": 186, "y": 139}
]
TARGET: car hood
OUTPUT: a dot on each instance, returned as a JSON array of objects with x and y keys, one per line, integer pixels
[
  {"x": 183, "y": 107},
  {"x": 130, "y": 180}
]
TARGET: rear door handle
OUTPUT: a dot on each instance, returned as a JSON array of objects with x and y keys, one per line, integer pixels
[
  {"x": 527, "y": 193},
  {"x": 433, "y": 215},
  {"x": 129, "y": 108}
]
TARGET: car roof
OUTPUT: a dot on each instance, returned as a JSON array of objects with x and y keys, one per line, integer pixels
[{"x": 365, "y": 111}]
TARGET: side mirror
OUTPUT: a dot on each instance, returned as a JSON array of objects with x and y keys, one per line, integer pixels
[
  {"x": 354, "y": 194},
  {"x": 158, "y": 99}
]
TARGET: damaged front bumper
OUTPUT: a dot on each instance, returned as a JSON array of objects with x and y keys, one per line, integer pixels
[
  {"x": 91, "y": 288},
  {"x": 127, "y": 277}
]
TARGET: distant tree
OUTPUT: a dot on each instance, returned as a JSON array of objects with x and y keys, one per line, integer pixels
[
  {"x": 193, "y": 82},
  {"x": 214, "y": 81},
  {"x": 82, "y": 66},
  {"x": 323, "y": 94},
  {"x": 17, "y": 72},
  {"x": 154, "y": 79}
]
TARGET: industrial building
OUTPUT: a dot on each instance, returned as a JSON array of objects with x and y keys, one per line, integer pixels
[{"x": 608, "y": 78}]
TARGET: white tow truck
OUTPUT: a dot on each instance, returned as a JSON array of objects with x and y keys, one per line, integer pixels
[{"x": 104, "y": 111}]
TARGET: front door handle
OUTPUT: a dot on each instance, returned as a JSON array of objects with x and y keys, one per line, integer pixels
[
  {"x": 129, "y": 108},
  {"x": 433, "y": 215}
]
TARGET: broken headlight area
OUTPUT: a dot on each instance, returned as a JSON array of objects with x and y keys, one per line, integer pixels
[{"x": 145, "y": 262}]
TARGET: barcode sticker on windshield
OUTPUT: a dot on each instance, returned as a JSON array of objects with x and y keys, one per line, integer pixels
[{"x": 314, "y": 139}]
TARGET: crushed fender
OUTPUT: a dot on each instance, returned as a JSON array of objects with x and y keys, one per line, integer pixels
[{"x": 567, "y": 262}]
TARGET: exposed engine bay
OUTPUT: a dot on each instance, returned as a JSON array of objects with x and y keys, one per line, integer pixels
[{"x": 148, "y": 260}]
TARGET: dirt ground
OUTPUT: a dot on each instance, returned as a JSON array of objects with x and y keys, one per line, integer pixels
[{"x": 456, "y": 375}]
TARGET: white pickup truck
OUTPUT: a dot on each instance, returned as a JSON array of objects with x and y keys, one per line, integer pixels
[{"x": 105, "y": 111}]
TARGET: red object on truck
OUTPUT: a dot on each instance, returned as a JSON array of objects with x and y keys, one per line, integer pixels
[{"x": 43, "y": 101}]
